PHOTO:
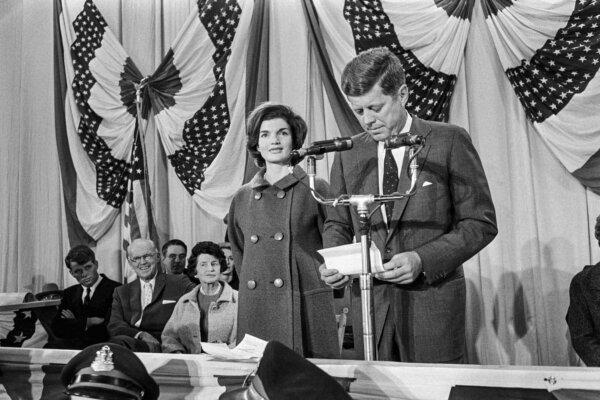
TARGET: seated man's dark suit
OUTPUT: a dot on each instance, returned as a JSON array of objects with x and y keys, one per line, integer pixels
[
  {"x": 583, "y": 316},
  {"x": 73, "y": 332},
  {"x": 127, "y": 306}
]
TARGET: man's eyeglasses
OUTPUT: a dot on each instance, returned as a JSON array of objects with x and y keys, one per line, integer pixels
[{"x": 145, "y": 257}]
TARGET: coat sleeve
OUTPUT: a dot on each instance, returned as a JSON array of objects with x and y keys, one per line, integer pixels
[
  {"x": 170, "y": 337},
  {"x": 66, "y": 328},
  {"x": 233, "y": 335},
  {"x": 579, "y": 319},
  {"x": 337, "y": 229},
  {"x": 117, "y": 324},
  {"x": 474, "y": 218},
  {"x": 235, "y": 234}
]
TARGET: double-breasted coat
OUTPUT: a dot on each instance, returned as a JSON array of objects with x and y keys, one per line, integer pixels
[{"x": 275, "y": 232}]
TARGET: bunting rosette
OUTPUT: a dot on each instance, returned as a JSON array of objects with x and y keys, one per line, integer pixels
[
  {"x": 196, "y": 97},
  {"x": 550, "y": 51}
]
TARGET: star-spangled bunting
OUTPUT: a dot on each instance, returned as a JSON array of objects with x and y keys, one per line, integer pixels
[
  {"x": 562, "y": 67},
  {"x": 430, "y": 90},
  {"x": 204, "y": 132},
  {"x": 553, "y": 70},
  {"x": 112, "y": 174},
  {"x": 23, "y": 328},
  {"x": 190, "y": 96}
]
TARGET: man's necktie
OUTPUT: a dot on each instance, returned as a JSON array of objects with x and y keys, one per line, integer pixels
[
  {"x": 147, "y": 294},
  {"x": 87, "y": 299},
  {"x": 390, "y": 181}
]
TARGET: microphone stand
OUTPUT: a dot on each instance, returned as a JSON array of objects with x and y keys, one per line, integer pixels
[{"x": 362, "y": 202}]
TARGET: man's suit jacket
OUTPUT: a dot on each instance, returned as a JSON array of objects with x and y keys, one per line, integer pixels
[
  {"x": 73, "y": 330},
  {"x": 127, "y": 305},
  {"x": 447, "y": 221}
]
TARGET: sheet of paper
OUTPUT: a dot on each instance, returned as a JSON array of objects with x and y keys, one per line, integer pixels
[
  {"x": 347, "y": 258},
  {"x": 250, "y": 347}
]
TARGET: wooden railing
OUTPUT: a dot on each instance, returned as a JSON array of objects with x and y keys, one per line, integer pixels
[{"x": 34, "y": 374}]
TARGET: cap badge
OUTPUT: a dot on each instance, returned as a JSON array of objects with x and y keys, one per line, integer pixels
[{"x": 104, "y": 360}]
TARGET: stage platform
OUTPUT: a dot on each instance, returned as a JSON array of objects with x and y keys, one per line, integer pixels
[{"x": 34, "y": 374}]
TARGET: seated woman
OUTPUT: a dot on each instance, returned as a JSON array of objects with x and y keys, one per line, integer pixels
[{"x": 209, "y": 312}]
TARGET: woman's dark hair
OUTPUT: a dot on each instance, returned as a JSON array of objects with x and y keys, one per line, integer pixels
[
  {"x": 378, "y": 64},
  {"x": 268, "y": 111},
  {"x": 210, "y": 248}
]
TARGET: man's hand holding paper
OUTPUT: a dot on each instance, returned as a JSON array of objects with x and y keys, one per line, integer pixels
[
  {"x": 403, "y": 268},
  {"x": 343, "y": 261}
]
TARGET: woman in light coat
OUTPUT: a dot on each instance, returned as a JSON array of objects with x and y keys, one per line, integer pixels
[
  {"x": 209, "y": 312},
  {"x": 274, "y": 228}
]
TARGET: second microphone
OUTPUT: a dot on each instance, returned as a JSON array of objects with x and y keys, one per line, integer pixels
[{"x": 320, "y": 147}]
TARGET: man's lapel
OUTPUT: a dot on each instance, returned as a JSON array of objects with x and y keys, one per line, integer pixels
[
  {"x": 417, "y": 128},
  {"x": 135, "y": 300},
  {"x": 159, "y": 285}
]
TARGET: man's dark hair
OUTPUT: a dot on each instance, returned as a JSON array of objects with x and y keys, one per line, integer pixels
[
  {"x": 207, "y": 248},
  {"x": 173, "y": 242},
  {"x": 79, "y": 254},
  {"x": 369, "y": 67},
  {"x": 266, "y": 112}
]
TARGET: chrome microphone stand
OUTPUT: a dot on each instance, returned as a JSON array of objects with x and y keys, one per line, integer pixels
[{"x": 362, "y": 202}]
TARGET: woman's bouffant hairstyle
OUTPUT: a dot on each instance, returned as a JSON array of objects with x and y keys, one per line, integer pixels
[
  {"x": 207, "y": 248},
  {"x": 268, "y": 111}
]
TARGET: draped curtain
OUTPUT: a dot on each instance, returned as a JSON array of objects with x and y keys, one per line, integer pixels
[{"x": 517, "y": 286}]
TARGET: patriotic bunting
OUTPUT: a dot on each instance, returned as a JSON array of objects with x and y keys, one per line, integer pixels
[
  {"x": 428, "y": 36},
  {"x": 196, "y": 96},
  {"x": 551, "y": 54}
]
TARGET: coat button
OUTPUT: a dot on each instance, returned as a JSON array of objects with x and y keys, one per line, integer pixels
[
  {"x": 257, "y": 195},
  {"x": 254, "y": 238},
  {"x": 281, "y": 194},
  {"x": 278, "y": 236},
  {"x": 278, "y": 282},
  {"x": 251, "y": 284},
  {"x": 388, "y": 250}
]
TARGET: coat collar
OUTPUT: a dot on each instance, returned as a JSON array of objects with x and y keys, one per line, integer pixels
[
  {"x": 259, "y": 182},
  {"x": 226, "y": 294}
]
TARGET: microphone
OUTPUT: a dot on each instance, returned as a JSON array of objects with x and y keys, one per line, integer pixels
[
  {"x": 404, "y": 139},
  {"x": 320, "y": 147}
]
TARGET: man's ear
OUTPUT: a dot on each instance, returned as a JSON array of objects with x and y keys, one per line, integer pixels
[{"x": 403, "y": 92}]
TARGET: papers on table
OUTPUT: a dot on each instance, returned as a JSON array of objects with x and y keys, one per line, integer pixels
[
  {"x": 249, "y": 348},
  {"x": 347, "y": 259}
]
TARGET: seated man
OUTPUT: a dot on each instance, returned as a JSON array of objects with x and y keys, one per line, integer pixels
[
  {"x": 583, "y": 315},
  {"x": 84, "y": 310},
  {"x": 108, "y": 371},
  {"x": 173, "y": 256},
  {"x": 141, "y": 309},
  {"x": 230, "y": 275}
]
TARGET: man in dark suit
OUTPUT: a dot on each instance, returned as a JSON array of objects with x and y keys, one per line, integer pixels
[
  {"x": 84, "y": 310},
  {"x": 419, "y": 301},
  {"x": 141, "y": 309},
  {"x": 583, "y": 315}
]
